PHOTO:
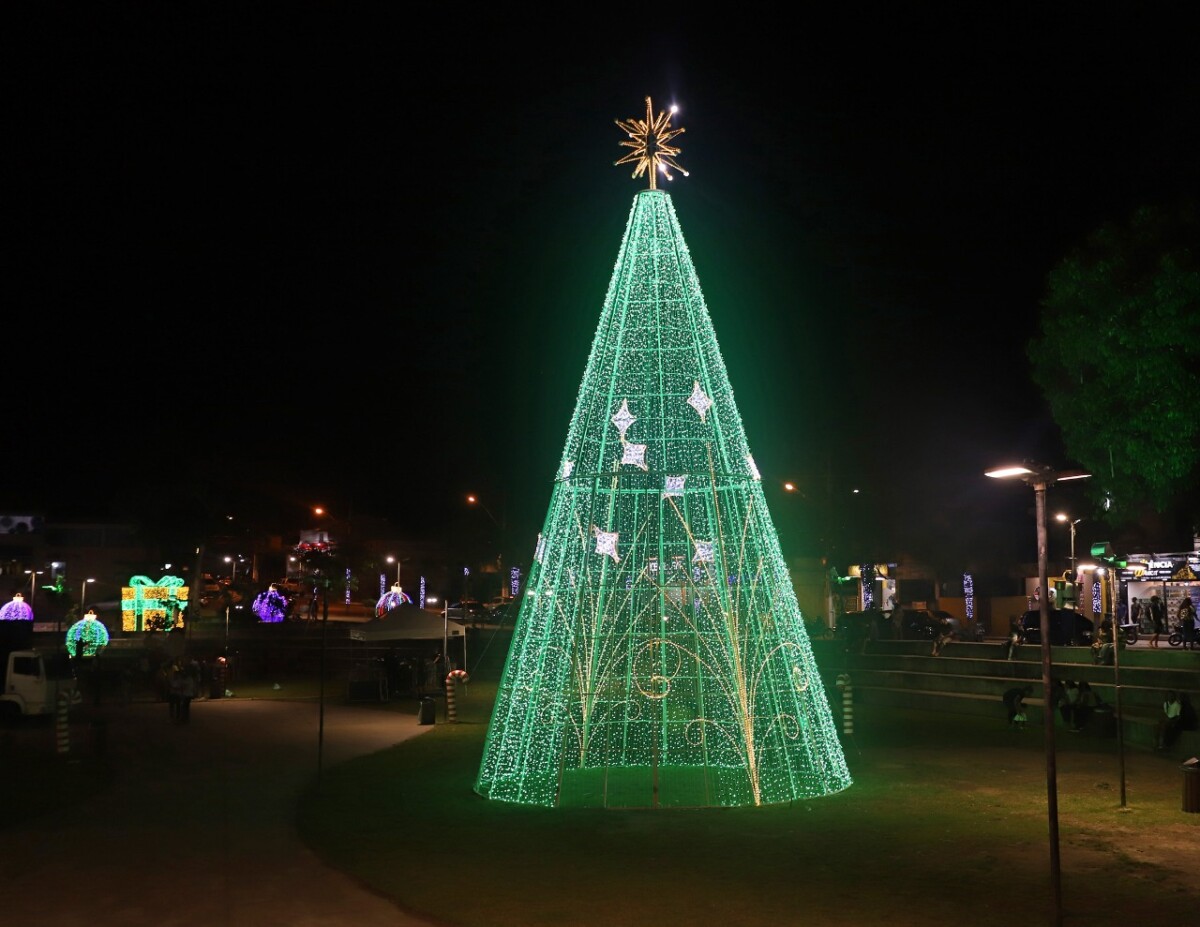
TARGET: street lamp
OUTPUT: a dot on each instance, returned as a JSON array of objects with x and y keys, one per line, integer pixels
[
  {"x": 398, "y": 561},
  {"x": 1064, "y": 517},
  {"x": 1040, "y": 478},
  {"x": 233, "y": 576},
  {"x": 83, "y": 593},
  {"x": 33, "y": 575},
  {"x": 472, "y": 499}
]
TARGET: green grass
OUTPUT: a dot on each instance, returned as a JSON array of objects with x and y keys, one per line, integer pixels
[{"x": 946, "y": 823}]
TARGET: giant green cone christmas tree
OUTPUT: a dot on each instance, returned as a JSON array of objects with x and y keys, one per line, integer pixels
[{"x": 659, "y": 658}]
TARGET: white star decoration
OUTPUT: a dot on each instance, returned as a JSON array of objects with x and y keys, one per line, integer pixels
[
  {"x": 699, "y": 401},
  {"x": 606, "y": 543},
  {"x": 674, "y": 486},
  {"x": 753, "y": 467},
  {"x": 704, "y": 552},
  {"x": 635, "y": 454},
  {"x": 624, "y": 418},
  {"x": 568, "y": 466}
]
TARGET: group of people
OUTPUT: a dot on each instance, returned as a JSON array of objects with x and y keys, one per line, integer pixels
[
  {"x": 1076, "y": 702},
  {"x": 1154, "y": 613},
  {"x": 182, "y": 684},
  {"x": 1188, "y": 620}
]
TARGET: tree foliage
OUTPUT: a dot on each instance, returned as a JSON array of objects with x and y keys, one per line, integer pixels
[{"x": 1118, "y": 360}]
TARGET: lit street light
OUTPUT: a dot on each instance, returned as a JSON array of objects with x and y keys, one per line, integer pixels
[
  {"x": 234, "y": 561},
  {"x": 398, "y": 561},
  {"x": 1064, "y": 517},
  {"x": 1040, "y": 477},
  {"x": 83, "y": 593},
  {"x": 472, "y": 499}
]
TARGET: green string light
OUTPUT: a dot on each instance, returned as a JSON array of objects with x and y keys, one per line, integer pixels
[{"x": 660, "y": 657}]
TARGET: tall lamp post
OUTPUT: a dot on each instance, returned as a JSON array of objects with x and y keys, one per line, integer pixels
[
  {"x": 1072, "y": 522},
  {"x": 33, "y": 575},
  {"x": 1041, "y": 477},
  {"x": 398, "y": 561},
  {"x": 473, "y": 499}
]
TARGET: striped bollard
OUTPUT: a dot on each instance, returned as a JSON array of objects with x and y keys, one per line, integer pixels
[
  {"x": 62, "y": 723},
  {"x": 843, "y": 683},
  {"x": 452, "y": 681}
]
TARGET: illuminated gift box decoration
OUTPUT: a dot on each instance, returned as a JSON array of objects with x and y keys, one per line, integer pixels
[{"x": 150, "y": 606}]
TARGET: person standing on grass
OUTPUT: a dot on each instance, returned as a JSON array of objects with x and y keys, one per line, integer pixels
[
  {"x": 1014, "y": 701},
  {"x": 1169, "y": 722},
  {"x": 187, "y": 691},
  {"x": 1087, "y": 703}
]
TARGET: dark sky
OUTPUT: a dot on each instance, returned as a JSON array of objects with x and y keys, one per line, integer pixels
[{"x": 351, "y": 255}]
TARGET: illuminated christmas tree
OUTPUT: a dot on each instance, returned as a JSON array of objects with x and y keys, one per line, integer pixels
[{"x": 659, "y": 658}]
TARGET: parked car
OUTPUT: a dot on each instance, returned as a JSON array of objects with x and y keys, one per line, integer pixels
[
  {"x": 289, "y": 587},
  {"x": 927, "y": 624},
  {"x": 504, "y": 613},
  {"x": 859, "y": 627},
  {"x": 468, "y": 610},
  {"x": 1068, "y": 628}
]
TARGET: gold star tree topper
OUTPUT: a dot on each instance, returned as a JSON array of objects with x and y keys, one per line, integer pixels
[{"x": 649, "y": 141}]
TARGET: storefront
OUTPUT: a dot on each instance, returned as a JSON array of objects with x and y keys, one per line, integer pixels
[{"x": 1169, "y": 576}]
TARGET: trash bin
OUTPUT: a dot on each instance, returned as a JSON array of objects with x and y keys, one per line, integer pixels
[
  {"x": 1103, "y": 722},
  {"x": 426, "y": 709},
  {"x": 1191, "y": 785}
]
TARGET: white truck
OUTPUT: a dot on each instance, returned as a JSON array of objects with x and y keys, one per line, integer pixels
[{"x": 34, "y": 677}]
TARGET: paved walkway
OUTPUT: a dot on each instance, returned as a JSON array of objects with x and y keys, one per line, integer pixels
[{"x": 199, "y": 828}]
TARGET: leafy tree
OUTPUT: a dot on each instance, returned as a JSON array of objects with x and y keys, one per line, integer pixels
[{"x": 1118, "y": 360}]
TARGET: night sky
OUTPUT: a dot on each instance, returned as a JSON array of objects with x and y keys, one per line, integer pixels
[{"x": 275, "y": 255}]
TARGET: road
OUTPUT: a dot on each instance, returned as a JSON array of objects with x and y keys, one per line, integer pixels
[{"x": 199, "y": 828}]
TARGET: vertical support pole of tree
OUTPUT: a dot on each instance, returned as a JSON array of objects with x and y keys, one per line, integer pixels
[{"x": 1114, "y": 597}]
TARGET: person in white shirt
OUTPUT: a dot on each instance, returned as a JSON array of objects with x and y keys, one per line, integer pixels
[{"x": 1168, "y": 724}]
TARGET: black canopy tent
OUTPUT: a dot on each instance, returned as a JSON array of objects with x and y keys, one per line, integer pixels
[{"x": 412, "y": 623}]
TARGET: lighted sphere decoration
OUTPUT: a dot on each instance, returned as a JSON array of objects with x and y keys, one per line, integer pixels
[
  {"x": 86, "y": 636},
  {"x": 271, "y": 606},
  {"x": 390, "y": 599},
  {"x": 16, "y": 610}
]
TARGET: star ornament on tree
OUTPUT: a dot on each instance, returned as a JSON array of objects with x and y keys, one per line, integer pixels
[
  {"x": 649, "y": 141},
  {"x": 635, "y": 454},
  {"x": 623, "y": 418},
  {"x": 606, "y": 543},
  {"x": 699, "y": 401}
]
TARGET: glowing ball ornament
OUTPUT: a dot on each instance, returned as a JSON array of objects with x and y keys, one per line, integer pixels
[
  {"x": 16, "y": 610},
  {"x": 270, "y": 606},
  {"x": 86, "y": 636}
]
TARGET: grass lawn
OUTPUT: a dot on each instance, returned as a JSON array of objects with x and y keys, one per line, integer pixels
[{"x": 946, "y": 823}]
